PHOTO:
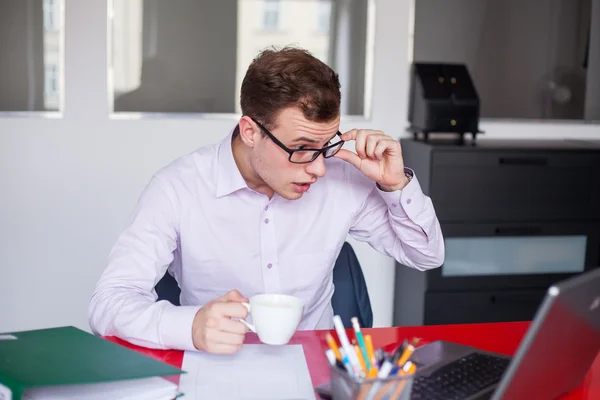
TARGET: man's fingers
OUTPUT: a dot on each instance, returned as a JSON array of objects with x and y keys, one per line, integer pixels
[
  {"x": 230, "y": 310},
  {"x": 350, "y": 135},
  {"x": 361, "y": 144},
  {"x": 234, "y": 295},
  {"x": 372, "y": 142},
  {"x": 232, "y": 326},
  {"x": 221, "y": 337},
  {"x": 353, "y": 133},
  {"x": 350, "y": 157},
  {"x": 365, "y": 141},
  {"x": 221, "y": 348},
  {"x": 382, "y": 146},
  {"x": 229, "y": 338}
]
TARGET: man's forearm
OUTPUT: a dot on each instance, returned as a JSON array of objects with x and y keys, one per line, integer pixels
[{"x": 135, "y": 317}]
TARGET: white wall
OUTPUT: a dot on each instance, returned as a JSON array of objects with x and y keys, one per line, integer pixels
[{"x": 68, "y": 185}]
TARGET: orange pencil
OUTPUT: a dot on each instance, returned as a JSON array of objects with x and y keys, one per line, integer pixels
[
  {"x": 406, "y": 355},
  {"x": 333, "y": 346}
]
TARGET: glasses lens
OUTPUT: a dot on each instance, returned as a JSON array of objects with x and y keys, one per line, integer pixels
[
  {"x": 301, "y": 157},
  {"x": 330, "y": 152}
]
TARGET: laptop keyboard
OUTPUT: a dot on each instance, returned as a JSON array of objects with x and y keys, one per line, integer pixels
[{"x": 461, "y": 378}]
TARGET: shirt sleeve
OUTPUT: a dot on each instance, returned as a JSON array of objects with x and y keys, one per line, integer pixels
[
  {"x": 401, "y": 224},
  {"x": 124, "y": 302}
]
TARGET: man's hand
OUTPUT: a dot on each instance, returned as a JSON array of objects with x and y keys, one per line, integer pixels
[
  {"x": 213, "y": 329},
  {"x": 378, "y": 156}
]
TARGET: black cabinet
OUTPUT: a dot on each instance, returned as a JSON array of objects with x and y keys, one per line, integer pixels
[{"x": 517, "y": 216}]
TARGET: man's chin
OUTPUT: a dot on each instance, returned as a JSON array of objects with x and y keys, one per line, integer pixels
[{"x": 290, "y": 195}]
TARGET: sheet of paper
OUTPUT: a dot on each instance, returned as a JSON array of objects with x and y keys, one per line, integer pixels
[
  {"x": 257, "y": 371},
  {"x": 155, "y": 388}
]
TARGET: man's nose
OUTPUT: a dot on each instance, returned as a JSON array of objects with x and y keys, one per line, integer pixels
[{"x": 317, "y": 167}]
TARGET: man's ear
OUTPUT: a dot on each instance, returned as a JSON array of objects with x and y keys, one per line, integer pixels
[{"x": 248, "y": 131}]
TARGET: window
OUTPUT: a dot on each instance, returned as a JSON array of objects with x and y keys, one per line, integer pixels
[
  {"x": 271, "y": 15},
  {"x": 528, "y": 60},
  {"x": 51, "y": 87},
  {"x": 51, "y": 81},
  {"x": 165, "y": 59},
  {"x": 50, "y": 14},
  {"x": 323, "y": 16},
  {"x": 31, "y": 55}
]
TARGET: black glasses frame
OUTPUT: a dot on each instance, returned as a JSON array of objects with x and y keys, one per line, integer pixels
[{"x": 291, "y": 152}]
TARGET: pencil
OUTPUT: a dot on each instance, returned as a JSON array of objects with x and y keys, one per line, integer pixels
[
  {"x": 370, "y": 352},
  {"x": 350, "y": 353},
  {"x": 405, "y": 355},
  {"x": 361, "y": 342},
  {"x": 361, "y": 359},
  {"x": 333, "y": 346}
]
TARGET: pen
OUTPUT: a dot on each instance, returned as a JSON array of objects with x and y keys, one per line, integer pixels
[
  {"x": 361, "y": 342},
  {"x": 409, "y": 368},
  {"x": 334, "y": 362},
  {"x": 389, "y": 364},
  {"x": 330, "y": 357},
  {"x": 348, "y": 349},
  {"x": 346, "y": 363},
  {"x": 333, "y": 346},
  {"x": 379, "y": 357}
]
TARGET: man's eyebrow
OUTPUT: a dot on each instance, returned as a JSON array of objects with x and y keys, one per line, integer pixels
[
  {"x": 305, "y": 139},
  {"x": 309, "y": 140}
]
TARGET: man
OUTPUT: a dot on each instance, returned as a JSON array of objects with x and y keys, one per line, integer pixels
[{"x": 264, "y": 211}]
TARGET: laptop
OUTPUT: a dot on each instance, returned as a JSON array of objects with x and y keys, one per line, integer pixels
[{"x": 555, "y": 354}]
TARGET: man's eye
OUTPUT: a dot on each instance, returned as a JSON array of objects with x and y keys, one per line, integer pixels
[{"x": 301, "y": 147}]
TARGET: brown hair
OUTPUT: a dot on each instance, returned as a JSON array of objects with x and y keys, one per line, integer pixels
[{"x": 277, "y": 79}]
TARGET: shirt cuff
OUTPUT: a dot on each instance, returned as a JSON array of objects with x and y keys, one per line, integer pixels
[
  {"x": 175, "y": 330},
  {"x": 407, "y": 202}
]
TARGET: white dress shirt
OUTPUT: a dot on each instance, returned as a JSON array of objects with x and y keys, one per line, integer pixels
[{"x": 198, "y": 218}]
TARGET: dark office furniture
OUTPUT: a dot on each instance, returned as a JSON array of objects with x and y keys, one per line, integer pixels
[
  {"x": 501, "y": 200},
  {"x": 442, "y": 98},
  {"x": 350, "y": 298}
]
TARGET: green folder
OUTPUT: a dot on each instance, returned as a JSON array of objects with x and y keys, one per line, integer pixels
[{"x": 69, "y": 356}]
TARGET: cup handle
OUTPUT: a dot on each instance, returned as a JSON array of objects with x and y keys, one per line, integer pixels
[{"x": 243, "y": 321}]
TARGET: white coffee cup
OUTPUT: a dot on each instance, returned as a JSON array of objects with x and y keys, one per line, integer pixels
[{"x": 275, "y": 317}]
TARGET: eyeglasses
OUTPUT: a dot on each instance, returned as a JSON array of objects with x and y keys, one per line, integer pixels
[{"x": 304, "y": 156}]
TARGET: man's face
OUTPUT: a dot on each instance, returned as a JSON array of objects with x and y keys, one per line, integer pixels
[{"x": 271, "y": 162}]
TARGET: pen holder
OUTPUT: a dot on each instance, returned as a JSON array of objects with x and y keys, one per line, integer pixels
[{"x": 344, "y": 386}]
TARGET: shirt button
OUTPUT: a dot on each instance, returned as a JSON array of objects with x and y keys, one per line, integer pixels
[
  {"x": 394, "y": 204},
  {"x": 269, "y": 265},
  {"x": 266, "y": 220},
  {"x": 266, "y": 208},
  {"x": 408, "y": 201}
]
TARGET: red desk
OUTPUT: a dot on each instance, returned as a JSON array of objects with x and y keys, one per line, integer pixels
[{"x": 497, "y": 337}]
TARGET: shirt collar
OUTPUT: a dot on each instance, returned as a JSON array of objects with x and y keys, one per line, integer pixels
[{"x": 229, "y": 178}]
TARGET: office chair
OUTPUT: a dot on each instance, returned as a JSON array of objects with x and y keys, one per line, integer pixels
[{"x": 350, "y": 298}]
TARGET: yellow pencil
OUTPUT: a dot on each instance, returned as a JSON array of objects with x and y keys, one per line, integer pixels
[
  {"x": 370, "y": 352},
  {"x": 361, "y": 359}
]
